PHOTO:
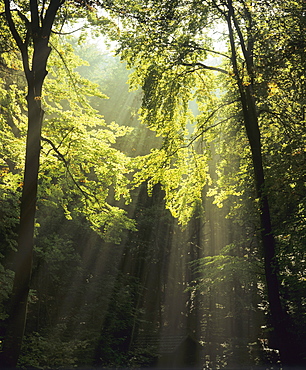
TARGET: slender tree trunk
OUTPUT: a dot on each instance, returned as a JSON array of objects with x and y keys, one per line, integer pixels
[
  {"x": 267, "y": 237},
  {"x": 23, "y": 263}
]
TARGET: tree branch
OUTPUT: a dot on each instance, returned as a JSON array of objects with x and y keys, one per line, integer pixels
[
  {"x": 8, "y": 16},
  {"x": 204, "y": 66},
  {"x": 61, "y": 156},
  {"x": 21, "y": 45},
  {"x": 34, "y": 17},
  {"x": 50, "y": 16},
  {"x": 245, "y": 52},
  {"x": 216, "y": 110},
  {"x": 212, "y": 51},
  {"x": 193, "y": 139},
  {"x": 41, "y": 15},
  {"x": 67, "y": 33}
]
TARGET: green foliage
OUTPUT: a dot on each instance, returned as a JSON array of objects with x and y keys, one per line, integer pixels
[
  {"x": 179, "y": 166},
  {"x": 81, "y": 173},
  {"x": 12, "y": 127},
  {"x": 48, "y": 353},
  {"x": 79, "y": 164},
  {"x": 6, "y": 282},
  {"x": 58, "y": 256},
  {"x": 182, "y": 177},
  {"x": 226, "y": 268},
  {"x": 116, "y": 336}
]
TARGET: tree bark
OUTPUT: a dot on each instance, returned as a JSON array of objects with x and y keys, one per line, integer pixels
[
  {"x": 267, "y": 238},
  {"x": 23, "y": 262}
]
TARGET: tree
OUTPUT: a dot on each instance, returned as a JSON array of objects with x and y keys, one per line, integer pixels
[
  {"x": 167, "y": 48},
  {"x": 38, "y": 31},
  {"x": 31, "y": 25}
]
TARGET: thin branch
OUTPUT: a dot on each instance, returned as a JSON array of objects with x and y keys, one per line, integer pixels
[
  {"x": 61, "y": 156},
  {"x": 193, "y": 139},
  {"x": 246, "y": 53},
  {"x": 76, "y": 89},
  {"x": 234, "y": 52},
  {"x": 67, "y": 33},
  {"x": 216, "y": 110},
  {"x": 207, "y": 129},
  {"x": 213, "y": 51},
  {"x": 23, "y": 18},
  {"x": 223, "y": 12},
  {"x": 64, "y": 137},
  {"x": 204, "y": 66},
  {"x": 28, "y": 27},
  {"x": 41, "y": 16},
  {"x": 105, "y": 207},
  {"x": 195, "y": 47}
]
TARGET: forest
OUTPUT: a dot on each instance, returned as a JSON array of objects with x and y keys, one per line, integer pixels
[{"x": 153, "y": 184}]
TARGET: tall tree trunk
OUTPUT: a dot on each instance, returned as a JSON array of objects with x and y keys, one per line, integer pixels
[
  {"x": 267, "y": 238},
  {"x": 35, "y": 75},
  {"x": 23, "y": 262},
  {"x": 277, "y": 312},
  {"x": 284, "y": 339}
]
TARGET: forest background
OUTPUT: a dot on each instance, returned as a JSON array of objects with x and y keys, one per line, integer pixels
[{"x": 176, "y": 209}]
